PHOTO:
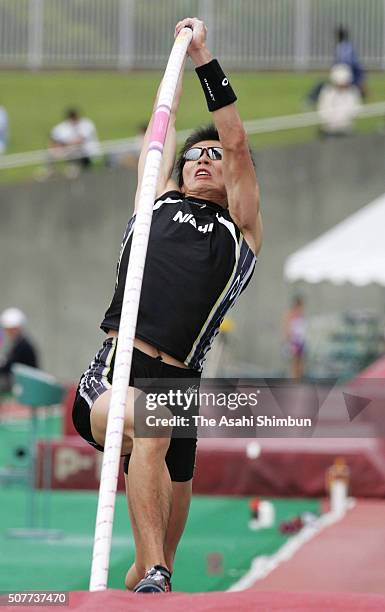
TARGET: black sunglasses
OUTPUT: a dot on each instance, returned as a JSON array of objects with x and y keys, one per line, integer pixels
[{"x": 195, "y": 153}]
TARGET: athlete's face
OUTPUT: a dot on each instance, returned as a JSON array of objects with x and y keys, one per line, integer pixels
[{"x": 203, "y": 177}]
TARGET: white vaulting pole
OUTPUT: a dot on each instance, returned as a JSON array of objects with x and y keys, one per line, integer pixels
[{"x": 114, "y": 434}]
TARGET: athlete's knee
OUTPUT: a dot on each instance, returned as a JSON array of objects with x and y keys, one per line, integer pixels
[
  {"x": 128, "y": 433},
  {"x": 127, "y": 444},
  {"x": 151, "y": 446}
]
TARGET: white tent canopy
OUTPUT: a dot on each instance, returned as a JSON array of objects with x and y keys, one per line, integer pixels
[{"x": 352, "y": 251}]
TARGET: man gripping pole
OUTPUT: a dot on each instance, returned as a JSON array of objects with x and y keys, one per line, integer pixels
[{"x": 205, "y": 235}]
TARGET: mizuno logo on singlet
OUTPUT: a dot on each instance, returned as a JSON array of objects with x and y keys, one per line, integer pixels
[{"x": 189, "y": 218}]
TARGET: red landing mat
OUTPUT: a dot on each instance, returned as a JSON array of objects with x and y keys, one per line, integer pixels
[
  {"x": 117, "y": 601},
  {"x": 347, "y": 556}
]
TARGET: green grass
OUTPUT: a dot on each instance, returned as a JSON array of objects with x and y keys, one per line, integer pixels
[
  {"x": 216, "y": 525},
  {"x": 118, "y": 102}
]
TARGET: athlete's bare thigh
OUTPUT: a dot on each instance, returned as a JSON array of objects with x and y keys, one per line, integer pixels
[{"x": 99, "y": 416}]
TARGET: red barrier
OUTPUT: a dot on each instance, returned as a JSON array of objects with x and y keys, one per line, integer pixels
[
  {"x": 288, "y": 467},
  {"x": 284, "y": 467},
  {"x": 75, "y": 464}
]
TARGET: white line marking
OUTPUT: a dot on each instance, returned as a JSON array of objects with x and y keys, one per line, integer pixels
[{"x": 262, "y": 566}]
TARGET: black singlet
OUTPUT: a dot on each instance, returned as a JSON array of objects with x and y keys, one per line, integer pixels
[{"x": 197, "y": 265}]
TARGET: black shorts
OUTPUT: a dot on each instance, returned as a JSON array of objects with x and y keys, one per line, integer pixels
[{"x": 180, "y": 457}]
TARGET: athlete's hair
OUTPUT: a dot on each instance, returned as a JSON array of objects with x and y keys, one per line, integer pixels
[{"x": 205, "y": 132}]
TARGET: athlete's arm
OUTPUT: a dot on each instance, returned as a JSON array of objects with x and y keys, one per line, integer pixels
[
  {"x": 238, "y": 170},
  {"x": 165, "y": 180}
]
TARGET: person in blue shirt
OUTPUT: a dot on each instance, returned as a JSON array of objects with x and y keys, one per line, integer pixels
[{"x": 344, "y": 53}]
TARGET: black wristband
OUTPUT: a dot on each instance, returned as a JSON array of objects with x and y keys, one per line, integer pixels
[{"x": 215, "y": 85}]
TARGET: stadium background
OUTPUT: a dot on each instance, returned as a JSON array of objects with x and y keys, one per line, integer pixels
[{"x": 49, "y": 231}]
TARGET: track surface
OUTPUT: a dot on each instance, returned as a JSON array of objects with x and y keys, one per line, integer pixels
[
  {"x": 342, "y": 569},
  {"x": 346, "y": 557}
]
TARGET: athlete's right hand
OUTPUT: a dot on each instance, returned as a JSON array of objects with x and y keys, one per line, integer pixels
[{"x": 199, "y": 33}]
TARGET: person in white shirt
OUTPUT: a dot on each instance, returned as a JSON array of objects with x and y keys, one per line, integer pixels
[
  {"x": 75, "y": 138},
  {"x": 338, "y": 103}
]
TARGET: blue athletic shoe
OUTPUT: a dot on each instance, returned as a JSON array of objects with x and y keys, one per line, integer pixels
[{"x": 156, "y": 580}]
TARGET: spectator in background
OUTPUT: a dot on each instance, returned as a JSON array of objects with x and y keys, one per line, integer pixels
[
  {"x": 75, "y": 139},
  {"x": 346, "y": 54},
  {"x": 4, "y": 129},
  {"x": 295, "y": 337},
  {"x": 19, "y": 349},
  {"x": 338, "y": 103}
]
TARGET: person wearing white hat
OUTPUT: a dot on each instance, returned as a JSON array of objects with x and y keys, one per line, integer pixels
[
  {"x": 338, "y": 103},
  {"x": 19, "y": 347}
]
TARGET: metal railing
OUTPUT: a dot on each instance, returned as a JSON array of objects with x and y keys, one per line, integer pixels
[
  {"x": 245, "y": 34},
  {"x": 130, "y": 145}
]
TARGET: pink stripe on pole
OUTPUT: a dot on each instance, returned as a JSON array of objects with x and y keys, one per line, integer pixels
[{"x": 159, "y": 126}]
